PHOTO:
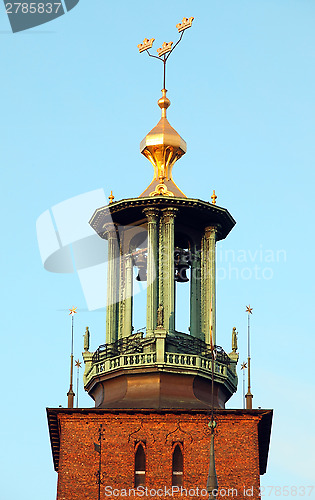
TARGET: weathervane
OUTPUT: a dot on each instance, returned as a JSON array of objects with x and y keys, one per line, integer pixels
[
  {"x": 167, "y": 47},
  {"x": 249, "y": 396},
  {"x": 243, "y": 367},
  {"x": 71, "y": 394}
]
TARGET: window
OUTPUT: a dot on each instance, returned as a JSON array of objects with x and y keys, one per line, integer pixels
[
  {"x": 177, "y": 466},
  {"x": 139, "y": 465}
]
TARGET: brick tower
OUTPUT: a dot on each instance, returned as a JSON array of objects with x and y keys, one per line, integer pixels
[{"x": 156, "y": 389}]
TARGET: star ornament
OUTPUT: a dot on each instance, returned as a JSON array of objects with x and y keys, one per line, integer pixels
[
  {"x": 78, "y": 364},
  {"x": 243, "y": 366},
  {"x": 249, "y": 309},
  {"x": 72, "y": 311}
]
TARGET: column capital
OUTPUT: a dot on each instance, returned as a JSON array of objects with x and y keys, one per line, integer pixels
[
  {"x": 169, "y": 214},
  {"x": 211, "y": 231},
  {"x": 127, "y": 257},
  {"x": 109, "y": 231},
  {"x": 151, "y": 213}
]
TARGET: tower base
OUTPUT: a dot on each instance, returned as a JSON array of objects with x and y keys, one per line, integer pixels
[{"x": 241, "y": 446}]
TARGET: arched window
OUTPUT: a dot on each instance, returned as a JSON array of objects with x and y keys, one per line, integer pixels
[
  {"x": 139, "y": 465},
  {"x": 177, "y": 466},
  {"x": 138, "y": 252}
]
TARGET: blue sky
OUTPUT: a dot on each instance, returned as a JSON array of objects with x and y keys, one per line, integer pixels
[{"x": 76, "y": 100}]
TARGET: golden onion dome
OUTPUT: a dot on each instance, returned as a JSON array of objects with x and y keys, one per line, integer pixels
[{"x": 163, "y": 146}]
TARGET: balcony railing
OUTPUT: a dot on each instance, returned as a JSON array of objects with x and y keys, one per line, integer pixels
[
  {"x": 183, "y": 362},
  {"x": 179, "y": 342}
]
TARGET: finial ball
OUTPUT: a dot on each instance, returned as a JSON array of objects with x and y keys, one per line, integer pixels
[{"x": 164, "y": 101}]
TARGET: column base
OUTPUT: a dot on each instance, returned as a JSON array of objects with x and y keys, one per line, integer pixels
[{"x": 249, "y": 401}]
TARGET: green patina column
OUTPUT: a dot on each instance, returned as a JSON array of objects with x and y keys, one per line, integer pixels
[
  {"x": 125, "y": 302},
  {"x": 152, "y": 215},
  {"x": 208, "y": 281},
  {"x": 167, "y": 296},
  {"x": 121, "y": 289},
  {"x": 127, "y": 316},
  {"x": 112, "y": 284},
  {"x": 195, "y": 297}
]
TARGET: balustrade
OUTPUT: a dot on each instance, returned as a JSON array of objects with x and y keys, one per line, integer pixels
[{"x": 170, "y": 359}]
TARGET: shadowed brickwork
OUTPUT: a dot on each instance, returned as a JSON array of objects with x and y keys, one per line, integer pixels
[{"x": 241, "y": 449}]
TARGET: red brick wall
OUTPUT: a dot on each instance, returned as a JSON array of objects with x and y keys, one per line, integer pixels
[{"x": 236, "y": 451}]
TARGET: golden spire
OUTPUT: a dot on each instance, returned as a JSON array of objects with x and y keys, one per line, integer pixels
[{"x": 163, "y": 146}]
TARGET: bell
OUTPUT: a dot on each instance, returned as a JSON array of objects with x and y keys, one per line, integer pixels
[
  {"x": 142, "y": 275},
  {"x": 141, "y": 264},
  {"x": 182, "y": 262},
  {"x": 180, "y": 275},
  {"x": 177, "y": 254}
]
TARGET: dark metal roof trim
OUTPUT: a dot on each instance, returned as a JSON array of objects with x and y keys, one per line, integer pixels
[
  {"x": 54, "y": 433},
  {"x": 123, "y": 211},
  {"x": 264, "y": 431}
]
